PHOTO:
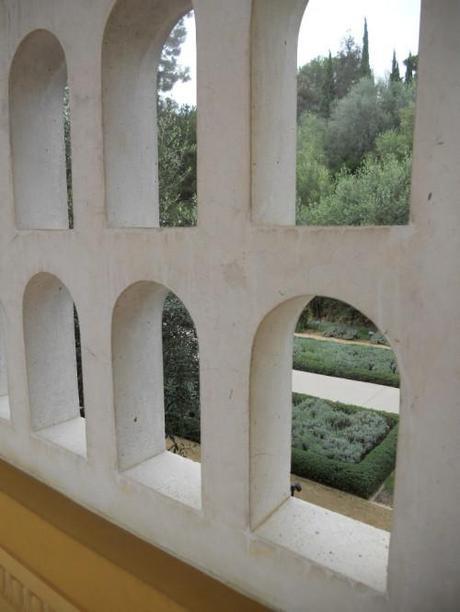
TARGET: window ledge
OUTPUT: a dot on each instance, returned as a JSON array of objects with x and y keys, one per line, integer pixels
[
  {"x": 71, "y": 435},
  {"x": 344, "y": 545},
  {"x": 171, "y": 475}
]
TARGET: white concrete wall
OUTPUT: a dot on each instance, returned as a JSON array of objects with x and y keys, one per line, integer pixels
[
  {"x": 37, "y": 80},
  {"x": 3, "y": 359},
  {"x": 231, "y": 273}
]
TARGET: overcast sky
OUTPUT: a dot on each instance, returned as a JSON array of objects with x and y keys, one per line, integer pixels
[{"x": 393, "y": 24}]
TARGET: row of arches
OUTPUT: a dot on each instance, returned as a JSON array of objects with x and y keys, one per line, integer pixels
[
  {"x": 133, "y": 40},
  {"x": 40, "y": 120},
  {"x": 146, "y": 339},
  {"x": 155, "y": 364}
]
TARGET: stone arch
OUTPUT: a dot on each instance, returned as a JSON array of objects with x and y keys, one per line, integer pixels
[
  {"x": 138, "y": 372},
  {"x": 139, "y": 396},
  {"x": 133, "y": 40},
  {"x": 38, "y": 78},
  {"x": 271, "y": 408},
  {"x": 49, "y": 338},
  {"x": 275, "y": 29}
]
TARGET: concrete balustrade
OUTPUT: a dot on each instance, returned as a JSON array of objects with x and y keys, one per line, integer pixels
[{"x": 244, "y": 273}]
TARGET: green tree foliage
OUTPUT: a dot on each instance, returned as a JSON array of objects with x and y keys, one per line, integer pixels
[
  {"x": 311, "y": 81},
  {"x": 411, "y": 63},
  {"x": 177, "y": 173},
  {"x": 347, "y": 66},
  {"x": 377, "y": 194},
  {"x": 313, "y": 176},
  {"x": 68, "y": 155},
  {"x": 328, "y": 89},
  {"x": 169, "y": 71},
  {"x": 326, "y": 79},
  {"x": 355, "y": 123},
  {"x": 395, "y": 76},
  {"x": 180, "y": 371},
  {"x": 177, "y": 164},
  {"x": 365, "y": 67}
]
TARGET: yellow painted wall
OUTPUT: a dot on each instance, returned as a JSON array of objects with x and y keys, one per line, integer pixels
[{"x": 55, "y": 552}]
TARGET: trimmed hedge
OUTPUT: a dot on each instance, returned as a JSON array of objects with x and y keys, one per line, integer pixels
[
  {"x": 363, "y": 478},
  {"x": 353, "y": 361}
]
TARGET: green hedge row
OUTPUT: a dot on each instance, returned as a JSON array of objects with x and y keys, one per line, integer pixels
[
  {"x": 362, "y": 479},
  {"x": 352, "y": 361}
]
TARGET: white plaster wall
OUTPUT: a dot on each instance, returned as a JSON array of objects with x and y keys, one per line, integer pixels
[
  {"x": 138, "y": 373},
  {"x": 49, "y": 342},
  {"x": 133, "y": 39},
  {"x": 37, "y": 81},
  {"x": 3, "y": 360},
  {"x": 232, "y": 273}
]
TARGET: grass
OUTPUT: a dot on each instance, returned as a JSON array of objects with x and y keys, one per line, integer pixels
[
  {"x": 365, "y": 363},
  {"x": 335, "y": 430},
  {"x": 361, "y": 478}
]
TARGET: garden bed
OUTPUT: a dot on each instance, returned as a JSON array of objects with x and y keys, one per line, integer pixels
[
  {"x": 346, "y": 447},
  {"x": 366, "y": 363}
]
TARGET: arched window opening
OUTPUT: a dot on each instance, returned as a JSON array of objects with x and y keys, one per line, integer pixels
[
  {"x": 68, "y": 156},
  {"x": 345, "y": 403},
  {"x": 40, "y": 134},
  {"x": 4, "y": 399},
  {"x": 156, "y": 391},
  {"x": 177, "y": 148},
  {"x": 149, "y": 133},
  {"x": 181, "y": 371},
  {"x": 323, "y": 436},
  {"x": 356, "y": 90},
  {"x": 51, "y": 359}
]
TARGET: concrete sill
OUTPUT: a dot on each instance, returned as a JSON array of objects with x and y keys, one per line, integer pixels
[
  {"x": 5, "y": 412},
  {"x": 339, "y": 543},
  {"x": 71, "y": 435},
  {"x": 170, "y": 475}
]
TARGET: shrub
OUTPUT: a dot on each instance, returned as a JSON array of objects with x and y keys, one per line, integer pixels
[
  {"x": 181, "y": 371},
  {"x": 335, "y": 430},
  {"x": 363, "y": 478},
  {"x": 353, "y": 361}
]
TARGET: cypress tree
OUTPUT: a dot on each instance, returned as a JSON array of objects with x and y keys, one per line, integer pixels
[
  {"x": 411, "y": 68},
  {"x": 329, "y": 91},
  {"x": 395, "y": 76},
  {"x": 365, "y": 62}
]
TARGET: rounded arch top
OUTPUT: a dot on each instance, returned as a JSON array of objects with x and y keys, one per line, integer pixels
[
  {"x": 274, "y": 29},
  {"x": 270, "y": 403},
  {"x": 42, "y": 282},
  {"x": 134, "y": 35},
  {"x": 39, "y": 49},
  {"x": 37, "y": 82}
]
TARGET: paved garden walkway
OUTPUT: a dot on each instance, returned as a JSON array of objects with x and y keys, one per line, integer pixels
[{"x": 368, "y": 395}]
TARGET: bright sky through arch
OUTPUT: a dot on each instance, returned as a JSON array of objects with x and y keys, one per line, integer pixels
[{"x": 393, "y": 25}]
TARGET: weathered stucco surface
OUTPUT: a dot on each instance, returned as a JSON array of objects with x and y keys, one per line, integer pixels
[{"x": 244, "y": 274}]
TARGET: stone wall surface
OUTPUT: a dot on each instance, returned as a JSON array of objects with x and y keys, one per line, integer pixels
[{"x": 244, "y": 273}]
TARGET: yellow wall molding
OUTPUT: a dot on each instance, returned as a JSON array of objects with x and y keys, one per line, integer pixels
[
  {"x": 23, "y": 591},
  {"x": 56, "y": 548}
]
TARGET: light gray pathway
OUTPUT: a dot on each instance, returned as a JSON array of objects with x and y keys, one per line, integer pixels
[{"x": 368, "y": 395}]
